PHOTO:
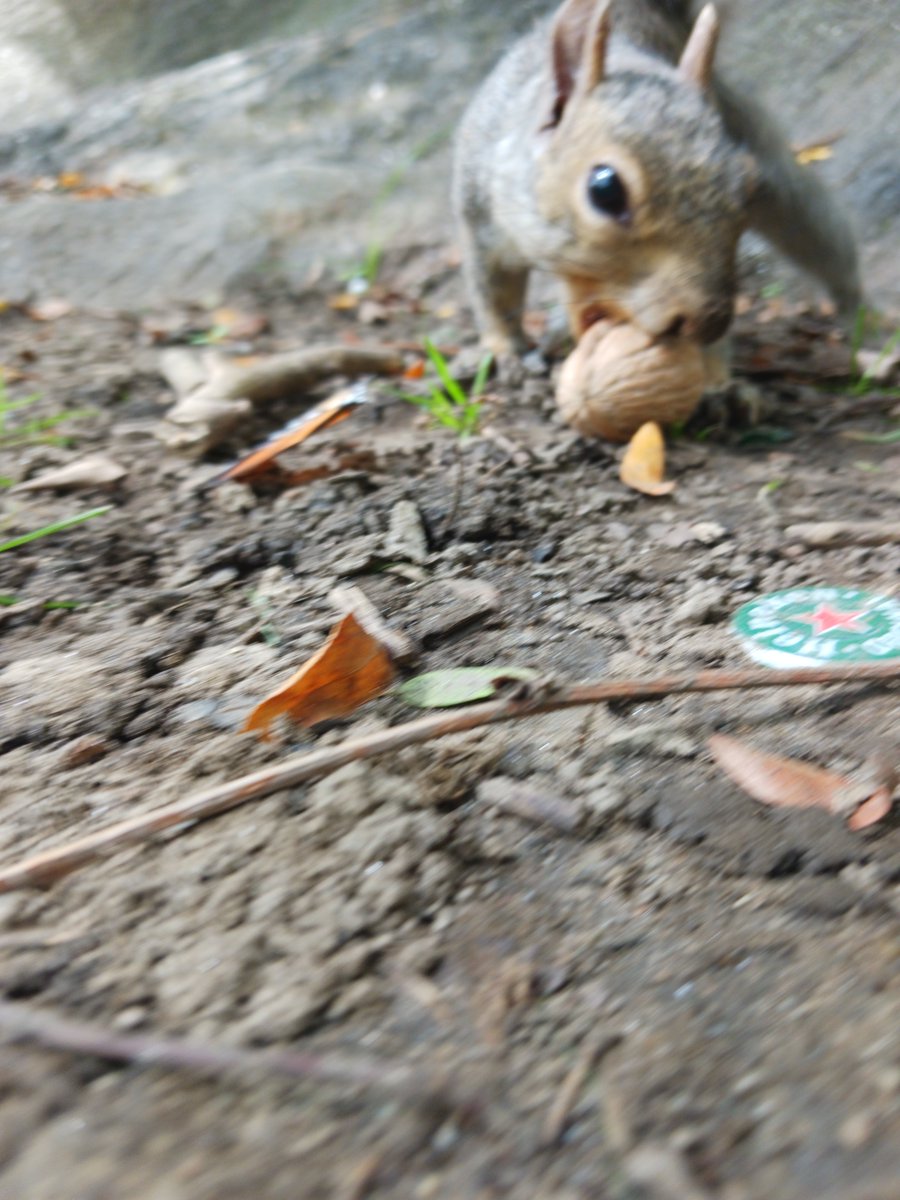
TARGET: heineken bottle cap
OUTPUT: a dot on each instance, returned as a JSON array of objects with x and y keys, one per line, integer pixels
[{"x": 819, "y": 626}]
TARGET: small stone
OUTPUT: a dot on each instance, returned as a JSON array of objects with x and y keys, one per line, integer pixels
[
  {"x": 233, "y": 498},
  {"x": 708, "y": 532},
  {"x": 222, "y": 578},
  {"x": 86, "y": 749},
  {"x": 406, "y": 538},
  {"x": 544, "y": 552},
  {"x": 601, "y": 800},
  {"x": 372, "y": 312},
  {"x": 855, "y": 1131},
  {"x": 130, "y": 1018},
  {"x": 701, "y": 607}
]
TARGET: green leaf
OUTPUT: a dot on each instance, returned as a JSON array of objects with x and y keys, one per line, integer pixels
[
  {"x": 440, "y": 365},
  {"x": 765, "y": 435},
  {"x": 459, "y": 685},
  {"x": 56, "y": 527}
]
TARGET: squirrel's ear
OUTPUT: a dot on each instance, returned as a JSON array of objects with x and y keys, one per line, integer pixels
[
  {"x": 696, "y": 63},
  {"x": 580, "y": 34}
]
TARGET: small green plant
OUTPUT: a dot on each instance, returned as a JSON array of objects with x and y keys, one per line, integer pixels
[
  {"x": 868, "y": 324},
  {"x": 450, "y": 405},
  {"x": 214, "y": 336},
  {"x": 772, "y": 291},
  {"x": 37, "y": 430},
  {"x": 265, "y": 614},
  {"x": 367, "y": 268}
]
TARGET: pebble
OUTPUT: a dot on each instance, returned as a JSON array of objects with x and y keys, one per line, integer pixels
[
  {"x": 708, "y": 532},
  {"x": 82, "y": 750},
  {"x": 700, "y": 607},
  {"x": 544, "y": 552}
]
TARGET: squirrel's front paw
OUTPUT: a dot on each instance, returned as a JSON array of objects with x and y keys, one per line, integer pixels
[{"x": 738, "y": 405}]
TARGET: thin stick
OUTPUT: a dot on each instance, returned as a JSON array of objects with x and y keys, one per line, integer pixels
[
  {"x": 21, "y": 1023},
  {"x": 594, "y": 1048},
  {"x": 43, "y": 869}
]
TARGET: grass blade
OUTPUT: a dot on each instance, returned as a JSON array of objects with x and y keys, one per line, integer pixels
[
  {"x": 440, "y": 365},
  {"x": 56, "y": 527},
  {"x": 481, "y": 377}
]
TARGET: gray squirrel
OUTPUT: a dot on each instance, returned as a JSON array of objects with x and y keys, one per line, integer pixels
[{"x": 603, "y": 149}]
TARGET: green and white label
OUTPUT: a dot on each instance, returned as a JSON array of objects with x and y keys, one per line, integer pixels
[{"x": 815, "y": 626}]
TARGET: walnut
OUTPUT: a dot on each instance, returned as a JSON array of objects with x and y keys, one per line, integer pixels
[{"x": 617, "y": 378}]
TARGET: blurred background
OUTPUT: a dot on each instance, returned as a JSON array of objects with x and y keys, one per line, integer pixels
[{"x": 262, "y": 143}]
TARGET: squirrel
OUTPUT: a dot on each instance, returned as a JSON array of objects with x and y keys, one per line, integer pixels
[{"x": 603, "y": 149}]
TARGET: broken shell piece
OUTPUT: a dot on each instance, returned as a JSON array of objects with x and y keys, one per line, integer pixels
[{"x": 617, "y": 378}]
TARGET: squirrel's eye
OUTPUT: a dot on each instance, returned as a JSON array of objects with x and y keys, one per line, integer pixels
[{"x": 607, "y": 193}]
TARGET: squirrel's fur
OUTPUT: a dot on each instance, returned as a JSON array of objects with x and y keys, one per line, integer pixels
[{"x": 628, "y": 85}]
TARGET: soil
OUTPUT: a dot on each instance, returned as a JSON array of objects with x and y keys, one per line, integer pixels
[{"x": 732, "y": 968}]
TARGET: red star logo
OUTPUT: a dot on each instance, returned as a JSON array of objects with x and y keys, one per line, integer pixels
[{"x": 825, "y": 618}]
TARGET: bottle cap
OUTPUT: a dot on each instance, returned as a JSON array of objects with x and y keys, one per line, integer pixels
[{"x": 819, "y": 626}]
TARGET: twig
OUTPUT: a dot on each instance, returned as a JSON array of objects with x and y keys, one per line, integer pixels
[
  {"x": 205, "y": 414},
  {"x": 295, "y": 371},
  {"x": 21, "y": 1023},
  {"x": 43, "y": 869},
  {"x": 594, "y": 1048},
  {"x": 831, "y": 535}
]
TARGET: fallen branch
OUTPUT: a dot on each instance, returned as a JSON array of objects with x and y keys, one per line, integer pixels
[
  {"x": 215, "y": 395},
  {"x": 43, "y": 869},
  {"x": 21, "y": 1023}
]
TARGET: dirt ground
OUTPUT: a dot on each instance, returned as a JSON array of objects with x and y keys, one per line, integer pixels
[{"x": 723, "y": 976}]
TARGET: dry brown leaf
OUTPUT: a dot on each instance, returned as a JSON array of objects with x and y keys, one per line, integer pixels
[
  {"x": 240, "y": 325},
  {"x": 49, "y": 310},
  {"x": 94, "y": 471},
  {"x": 351, "y": 668},
  {"x": 644, "y": 465},
  {"x": 789, "y": 783},
  {"x": 875, "y": 808},
  {"x": 785, "y": 782},
  {"x": 343, "y": 302}
]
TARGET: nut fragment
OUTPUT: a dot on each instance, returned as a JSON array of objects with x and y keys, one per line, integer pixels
[{"x": 617, "y": 378}]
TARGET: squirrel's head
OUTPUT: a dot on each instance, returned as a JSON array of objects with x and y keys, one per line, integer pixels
[{"x": 647, "y": 193}]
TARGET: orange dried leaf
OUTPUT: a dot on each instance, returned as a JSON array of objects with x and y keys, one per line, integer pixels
[
  {"x": 329, "y": 412},
  {"x": 785, "y": 782},
  {"x": 351, "y": 668},
  {"x": 415, "y": 370},
  {"x": 644, "y": 464}
]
